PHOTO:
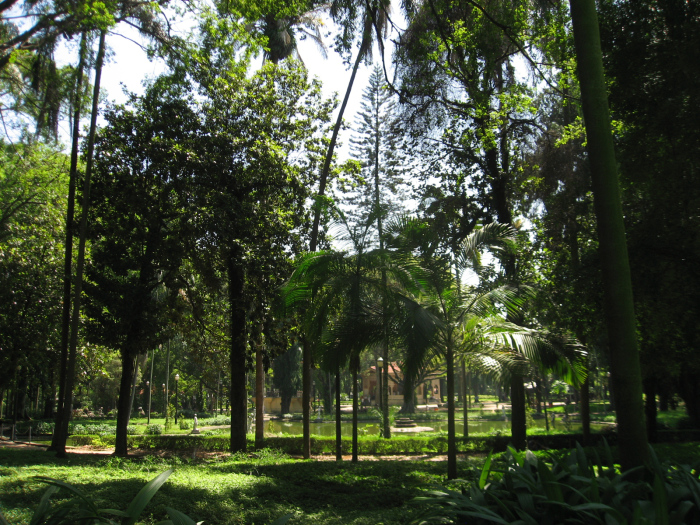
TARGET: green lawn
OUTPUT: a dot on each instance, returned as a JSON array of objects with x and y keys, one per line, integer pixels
[{"x": 243, "y": 489}]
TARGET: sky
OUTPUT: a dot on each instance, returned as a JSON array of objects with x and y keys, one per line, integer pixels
[{"x": 129, "y": 67}]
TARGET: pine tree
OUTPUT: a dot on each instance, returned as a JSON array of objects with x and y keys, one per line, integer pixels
[{"x": 380, "y": 188}]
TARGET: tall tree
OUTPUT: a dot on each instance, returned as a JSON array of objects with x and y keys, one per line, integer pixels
[
  {"x": 619, "y": 306},
  {"x": 139, "y": 222}
]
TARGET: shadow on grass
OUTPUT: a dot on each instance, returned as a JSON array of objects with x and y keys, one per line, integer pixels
[{"x": 229, "y": 490}]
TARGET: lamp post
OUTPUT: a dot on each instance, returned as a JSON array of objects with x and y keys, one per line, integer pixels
[
  {"x": 177, "y": 380},
  {"x": 165, "y": 403},
  {"x": 380, "y": 364},
  {"x": 148, "y": 387}
]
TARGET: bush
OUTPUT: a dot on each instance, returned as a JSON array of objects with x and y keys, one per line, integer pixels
[
  {"x": 154, "y": 430},
  {"x": 184, "y": 424},
  {"x": 131, "y": 430},
  {"x": 45, "y": 427},
  {"x": 572, "y": 490}
]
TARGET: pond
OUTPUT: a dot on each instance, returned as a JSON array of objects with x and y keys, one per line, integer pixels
[{"x": 372, "y": 428}]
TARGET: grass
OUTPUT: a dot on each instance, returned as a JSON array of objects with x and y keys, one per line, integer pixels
[
  {"x": 253, "y": 489},
  {"x": 228, "y": 490}
]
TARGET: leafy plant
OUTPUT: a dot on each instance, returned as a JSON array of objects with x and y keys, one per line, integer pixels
[
  {"x": 184, "y": 424},
  {"x": 571, "y": 490},
  {"x": 154, "y": 430}
]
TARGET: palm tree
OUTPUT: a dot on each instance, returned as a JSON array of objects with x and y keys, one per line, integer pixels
[
  {"x": 343, "y": 295},
  {"x": 469, "y": 325}
]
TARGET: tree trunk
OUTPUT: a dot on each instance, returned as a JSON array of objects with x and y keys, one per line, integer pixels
[
  {"x": 451, "y": 433},
  {"x": 68, "y": 258},
  {"x": 338, "y": 431},
  {"x": 465, "y": 407},
  {"x": 306, "y": 398},
  {"x": 123, "y": 403},
  {"x": 355, "y": 408},
  {"x": 259, "y": 397},
  {"x": 619, "y": 305},
  {"x": 239, "y": 401},
  {"x": 517, "y": 419},
  {"x": 585, "y": 408},
  {"x": 61, "y": 430},
  {"x": 313, "y": 243},
  {"x": 650, "y": 409}
]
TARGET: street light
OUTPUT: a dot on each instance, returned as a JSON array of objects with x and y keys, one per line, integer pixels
[
  {"x": 380, "y": 365},
  {"x": 177, "y": 380},
  {"x": 148, "y": 386}
]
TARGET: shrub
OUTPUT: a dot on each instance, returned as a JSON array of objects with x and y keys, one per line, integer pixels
[
  {"x": 154, "y": 430},
  {"x": 131, "y": 430},
  {"x": 45, "y": 427},
  {"x": 184, "y": 424},
  {"x": 571, "y": 490}
]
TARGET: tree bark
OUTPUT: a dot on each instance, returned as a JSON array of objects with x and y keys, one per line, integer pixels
[
  {"x": 649, "y": 385},
  {"x": 239, "y": 401},
  {"x": 259, "y": 397},
  {"x": 123, "y": 405},
  {"x": 68, "y": 257},
  {"x": 451, "y": 435},
  {"x": 59, "y": 444},
  {"x": 355, "y": 408},
  {"x": 625, "y": 367},
  {"x": 313, "y": 243},
  {"x": 517, "y": 416},
  {"x": 338, "y": 412}
]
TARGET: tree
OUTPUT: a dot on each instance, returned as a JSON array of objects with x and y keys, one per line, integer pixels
[
  {"x": 32, "y": 186},
  {"x": 369, "y": 22},
  {"x": 343, "y": 296},
  {"x": 139, "y": 222},
  {"x": 374, "y": 144},
  {"x": 646, "y": 48},
  {"x": 619, "y": 306},
  {"x": 457, "y": 70}
]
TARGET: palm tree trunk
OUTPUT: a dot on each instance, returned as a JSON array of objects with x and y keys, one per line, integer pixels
[
  {"x": 338, "y": 412},
  {"x": 64, "y": 418},
  {"x": 451, "y": 433},
  {"x": 625, "y": 367},
  {"x": 517, "y": 416},
  {"x": 465, "y": 408}
]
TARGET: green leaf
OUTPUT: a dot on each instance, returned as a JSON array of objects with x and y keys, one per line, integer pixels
[
  {"x": 660, "y": 502},
  {"x": 485, "y": 471},
  {"x": 144, "y": 496},
  {"x": 179, "y": 518},
  {"x": 40, "y": 512}
]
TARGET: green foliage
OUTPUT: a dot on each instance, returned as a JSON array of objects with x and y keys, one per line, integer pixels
[
  {"x": 154, "y": 430},
  {"x": 184, "y": 424},
  {"x": 572, "y": 489}
]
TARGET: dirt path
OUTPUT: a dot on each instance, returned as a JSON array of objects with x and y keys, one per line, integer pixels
[{"x": 204, "y": 455}]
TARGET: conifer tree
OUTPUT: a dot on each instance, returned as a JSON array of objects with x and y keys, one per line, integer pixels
[{"x": 379, "y": 190}]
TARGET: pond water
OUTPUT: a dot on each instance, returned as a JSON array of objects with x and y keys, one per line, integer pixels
[{"x": 372, "y": 428}]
